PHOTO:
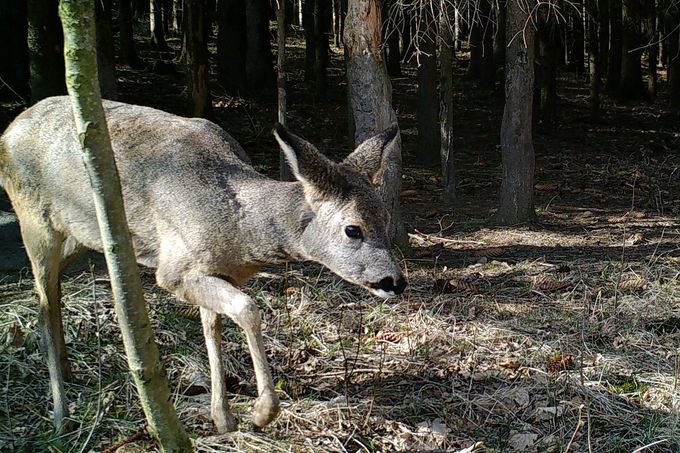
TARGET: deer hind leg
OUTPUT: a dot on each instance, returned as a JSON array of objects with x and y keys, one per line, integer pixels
[
  {"x": 43, "y": 245},
  {"x": 220, "y": 296},
  {"x": 212, "y": 331}
]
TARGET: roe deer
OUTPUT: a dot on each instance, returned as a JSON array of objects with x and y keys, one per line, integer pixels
[{"x": 198, "y": 214}]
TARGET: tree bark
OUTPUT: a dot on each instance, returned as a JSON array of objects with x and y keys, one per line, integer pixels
[
  {"x": 593, "y": 59},
  {"x": 603, "y": 23},
  {"x": 321, "y": 47},
  {"x": 45, "y": 44},
  {"x": 126, "y": 43},
  {"x": 631, "y": 85},
  {"x": 13, "y": 35},
  {"x": 391, "y": 35},
  {"x": 370, "y": 96},
  {"x": 576, "y": 50},
  {"x": 407, "y": 37},
  {"x": 487, "y": 70},
  {"x": 652, "y": 49},
  {"x": 673, "y": 37},
  {"x": 476, "y": 45},
  {"x": 546, "y": 67},
  {"x": 259, "y": 66},
  {"x": 156, "y": 24},
  {"x": 615, "y": 46},
  {"x": 198, "y": 68},
  {"x": 106, "y": 59},
  {"x": 143, "y": 359},
  {"x": 427, "y": 113},
  {"x": 500, "y": 41},
  {"x": 517, "y": 149},
  {"x": 284, "y": 169},
  {"x": 231, "y": 45},
  {"x": 446, "y": 51}
]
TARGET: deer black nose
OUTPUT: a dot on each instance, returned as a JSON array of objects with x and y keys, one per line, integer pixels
[{"x": 387, "y": 284}]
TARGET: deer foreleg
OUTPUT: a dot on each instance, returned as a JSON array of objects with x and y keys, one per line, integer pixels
[{"x": 220, "y": 296}]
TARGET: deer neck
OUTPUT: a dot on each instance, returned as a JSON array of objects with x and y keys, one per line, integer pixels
[{"x": 277, "y": 216}]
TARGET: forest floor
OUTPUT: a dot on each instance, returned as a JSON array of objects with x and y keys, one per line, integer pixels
[{"x": 560, "y": 336}]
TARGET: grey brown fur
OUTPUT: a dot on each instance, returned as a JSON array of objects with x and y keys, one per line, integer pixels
[{"x": 200, "y": 215}]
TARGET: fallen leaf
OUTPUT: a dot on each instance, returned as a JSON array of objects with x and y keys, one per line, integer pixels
[
  {"x": 546, "y": 283},
  {"x": 546, "y": 186},
  {"x": 634, "y": 284},
  {"x": 560, "y": 362},
  {"x": 635, "y": 239}
]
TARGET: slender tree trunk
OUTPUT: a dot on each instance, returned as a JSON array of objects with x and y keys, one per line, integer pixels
[
  {"x": 593, "y": 59},
  {"x": 487, "y": 70},
  {"x": 547, "y": 62},
  {"x": 631, "y": 85},
  {"x": 673, "y": 37},
  {"x": 576, "y": 51},
  {"x": 517, "y": 149},
  {"x": 370, "y": 96},
  {"x": 141, "y": 350},
  {"x": 321, "y": 47},
  {"x": 428, "y": 106},
  {"x": 106, "y": 60},
  {"x": 156, "y": 24},
  {"x": 231, "y": 46},
  {"x": 615, "y": 46},
  {"x": 476, "y": 45},
  {"x": 13, "y": 35},
  {"x": 500, "y": 41},
  {"x": 310, "y": 37},
  {"x": 603, "y": 22},
  {"x": 45, "y": 41},
  {"x": 259, "y": 67},
  {"x": 198, "y": 68},
  {"x": 446, "y": 52},
  {"x": 391, "y": 35},
  {"x": 177, "y": 16},
  {"x": 652, "y": 49},
  {"x": 284, "y": 169},
  {"x": 126, "y": 43}
]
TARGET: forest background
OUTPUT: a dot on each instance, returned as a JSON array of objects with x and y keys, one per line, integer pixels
[{"x": 559, "y": 332}]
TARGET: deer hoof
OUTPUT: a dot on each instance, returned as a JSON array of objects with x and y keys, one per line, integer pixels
[{"x": 266, "y": 409}]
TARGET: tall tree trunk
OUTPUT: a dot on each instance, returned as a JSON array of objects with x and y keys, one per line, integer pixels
[
  {"x": 198, "y": 68},
  {"x": 231, "y": 46},
  {"x": 476, "y": 44},
  {"x": 370, "y": 97},
  {"x": 576, "y": 50},
  {"x": 615, "y": 46},
  {"x": 142, "y": 353},
  {"x": 603, "y": 27},
  {"x": 487, "y": 70},
  {"x": 593, "y": 59},
  {"x": 631, "y": 85},
  {"x": 652, "y": 48},
  {"x": 391, "y": 35},
  {"x": 177, "y": 16},
  {"x": 156, "y": 24},
  {"x": 673, "y": 36},
  {"x": 427, "y": 112},
  {"x": 321, "y": 47},
  {"x": 310, "y": 37},
  {"x": 284, "y": 169},
  {"x": 126, "y": 43},
  {"x": 517, "y": 149},
  {"x": 45, "y": 44},
  {"x": 446, "y": 51},
  {"x": 547, "y": 62},
  {"x": 106, "y": 60},
  {"x": 340, "y": 9},
  {"x": 13, "y": 35},
  {"x": 259, "y": 66},
  {"x": 500, "y": 41}
]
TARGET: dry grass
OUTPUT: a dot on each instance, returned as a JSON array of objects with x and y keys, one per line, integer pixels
[{"x": 590, "y": 366}]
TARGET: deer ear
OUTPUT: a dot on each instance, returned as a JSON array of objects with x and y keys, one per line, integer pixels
[
  {"x": 370, "y": 157},
  {"x": 308, "y": 165}
]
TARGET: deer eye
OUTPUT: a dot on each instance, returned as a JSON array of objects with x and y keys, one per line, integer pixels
[{"x": 354, "y": 232}]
